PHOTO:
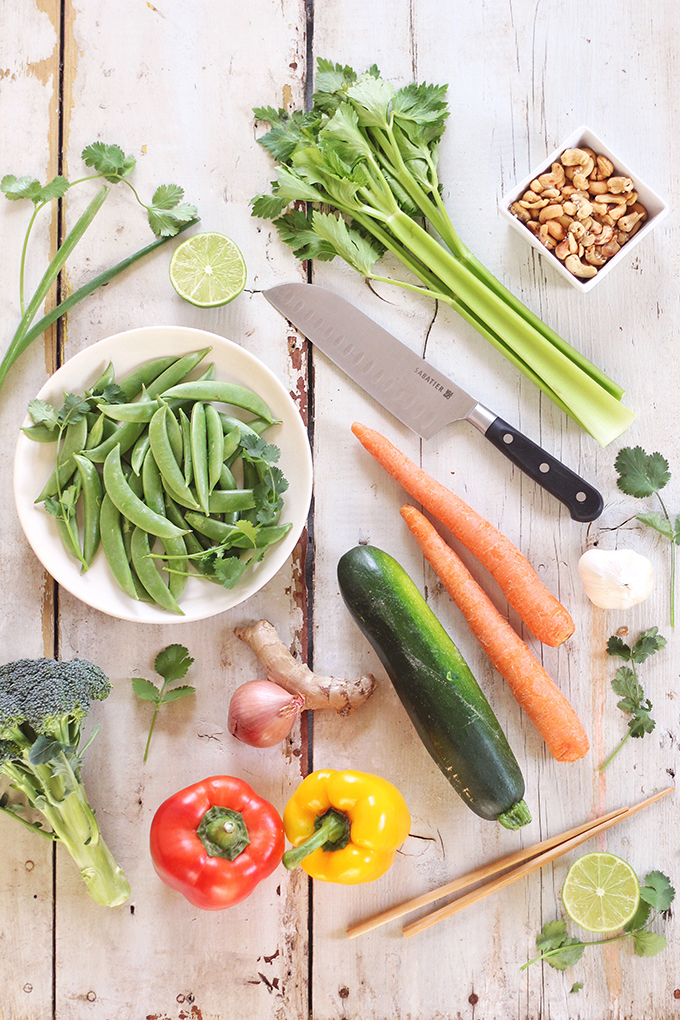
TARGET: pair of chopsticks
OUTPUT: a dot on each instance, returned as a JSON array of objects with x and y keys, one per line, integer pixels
[{"x": 522, "y": 863}]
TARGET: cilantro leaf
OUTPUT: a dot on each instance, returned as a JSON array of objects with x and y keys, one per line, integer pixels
[
  {"x": 229, "y": 570},
  {"x": 649, "y": 642},
  {"x": 145, "y": 689},
  {"x": 42, "y": 413},
  {"x": 640, "y": 917},
  {"x": 641, "y": 722},
  {"x": 55, "y": 188},
  {"x": 108, "y": 160},
  {"x": 659, "y": 523},
  {"x": 112, "y": 394},
  {"x": 175, "y": 693},
  {"x": 615, "y": 646},
  {"x": 15, "y": 188},
  {"x": 626, "y": 684},
  {"x": 167, "y": 196},
  {"x": 173, "y": 663},
  {"x": 648, "y": 943},
  {"x": 641, "y": 474},
  {"x": 576, "y": 987},
  {"x": 563, "y": 950},
  {"x": 657, "y": 891},
  {"x": 552, "y": 935},
  {"x": 73, "y": 409},
  {"x": 248, "y": 529},
  {"x": 167, "y": 222}
]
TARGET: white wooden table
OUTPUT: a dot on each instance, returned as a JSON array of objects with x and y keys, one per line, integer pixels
[{"x": 174, "y": 83}]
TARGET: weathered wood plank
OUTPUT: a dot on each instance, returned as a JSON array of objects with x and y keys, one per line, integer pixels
[
  {"x": 29, "y": 69},
  {"x": 507, "y": 68},
  {"x": 162, "y": 956}
]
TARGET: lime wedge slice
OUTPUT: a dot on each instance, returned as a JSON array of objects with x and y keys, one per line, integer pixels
[
  {"x": 601, "y": 893},
  {"x": 208, "y": 270}
]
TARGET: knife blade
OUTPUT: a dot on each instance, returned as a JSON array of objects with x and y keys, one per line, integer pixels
[{"x": 417, "y": 393}]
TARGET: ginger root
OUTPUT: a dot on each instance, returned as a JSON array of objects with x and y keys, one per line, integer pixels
[{"x": 343, "y": 696}]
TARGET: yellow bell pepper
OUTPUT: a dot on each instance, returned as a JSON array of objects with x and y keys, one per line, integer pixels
[{"x": 345, "y": 826}]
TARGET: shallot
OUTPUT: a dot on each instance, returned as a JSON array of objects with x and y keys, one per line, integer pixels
[{"x": 262, "y": 714}]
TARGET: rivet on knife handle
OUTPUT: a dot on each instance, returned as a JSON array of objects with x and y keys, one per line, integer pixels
[{"x": 583, "y": 501}]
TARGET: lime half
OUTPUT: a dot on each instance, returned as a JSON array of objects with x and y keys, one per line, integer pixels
[
  {"x": 601, "y": 893},
  {"x": 208, "y": 270}
]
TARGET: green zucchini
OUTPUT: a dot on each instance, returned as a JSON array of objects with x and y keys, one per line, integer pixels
[{"x": 436, "y": 687}]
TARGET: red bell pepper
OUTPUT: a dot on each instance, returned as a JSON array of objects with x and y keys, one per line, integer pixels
[{"x": 215, "y": 841}]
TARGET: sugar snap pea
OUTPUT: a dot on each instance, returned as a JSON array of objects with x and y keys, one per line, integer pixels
[
  {"x": 146, "y": 571},
  {"x": 224, "y": 501},
  {"x": 186, "y": 446},
  {"x": 139, "y": 452},
  {"x": 223, "y": 393},
  {"x": 96, "y": 433},
  {"x": 215, "y": 439},
  {"x": 199, "y": 453},
  {"x": 127, "y": 433},
  {"x": 164, "y": 456},
  {"x": 175, "y": 435},
  {"x": 227, "y": 480},
  {"x": 107, "y": 377},
  {"x": 41, "y": 433},
  {"x": 92, "y": 500},
  {"x": 154, "y": 496},
  {"x": 110, "y": 523},
  {"x": 231, "y": 441},
  {"x": 130, "y": 505},
  {"x": 135, "y": 381},
  {"x": 139, "y": 411}
]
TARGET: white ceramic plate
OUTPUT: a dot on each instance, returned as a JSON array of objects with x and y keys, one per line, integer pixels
[{"x": 34, "y": 462}]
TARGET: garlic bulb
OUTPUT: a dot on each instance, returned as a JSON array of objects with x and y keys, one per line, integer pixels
[{"x": 617, "y": 579}]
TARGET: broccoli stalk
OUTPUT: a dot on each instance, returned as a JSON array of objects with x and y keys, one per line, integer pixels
[{"x": 42, "y": 706}]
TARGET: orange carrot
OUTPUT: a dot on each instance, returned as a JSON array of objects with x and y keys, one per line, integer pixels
[
  {"x": 535, "y": 691},
  {"x": 545, "y": 617}
]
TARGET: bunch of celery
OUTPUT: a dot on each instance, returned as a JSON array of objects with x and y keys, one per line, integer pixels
[{"x": 364, "y": 160}]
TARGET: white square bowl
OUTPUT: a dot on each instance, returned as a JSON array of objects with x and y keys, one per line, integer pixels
[{"x": 584, "y": 138}]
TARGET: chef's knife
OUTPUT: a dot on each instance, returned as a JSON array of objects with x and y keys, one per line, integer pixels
[{"x": 415, "y": 392}]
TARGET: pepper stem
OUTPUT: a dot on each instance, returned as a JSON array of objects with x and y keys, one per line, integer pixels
[
  {"x": 332, "y": 833},
  {"x": 223, "y": 832}
]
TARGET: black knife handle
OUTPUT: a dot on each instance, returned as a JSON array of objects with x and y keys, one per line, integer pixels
[{"x": 583, "y": 501}]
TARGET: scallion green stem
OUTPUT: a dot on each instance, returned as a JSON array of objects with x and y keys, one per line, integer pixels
[{"x": 23, "y": 338}]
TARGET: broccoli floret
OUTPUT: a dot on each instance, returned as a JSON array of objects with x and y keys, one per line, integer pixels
[{"x": 43, "y": 703}]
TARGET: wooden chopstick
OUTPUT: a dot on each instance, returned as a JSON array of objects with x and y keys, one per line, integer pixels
[
  {"x": 517, "y": 858},
  {"x": 526, "y": 869}
]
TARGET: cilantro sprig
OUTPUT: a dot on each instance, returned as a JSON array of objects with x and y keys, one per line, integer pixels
[
  {"x": 226, "y": 561},
  {"x": 560, "y": 950},
  {"x": 641, "y": 475},
  {"x": 269, "y": 491},
  {"x": 627, "y": 684},
  {"x": 172, "y": 664},
  {"x": 167, "y": 215},
  {"x": 63, "y": 506}
]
